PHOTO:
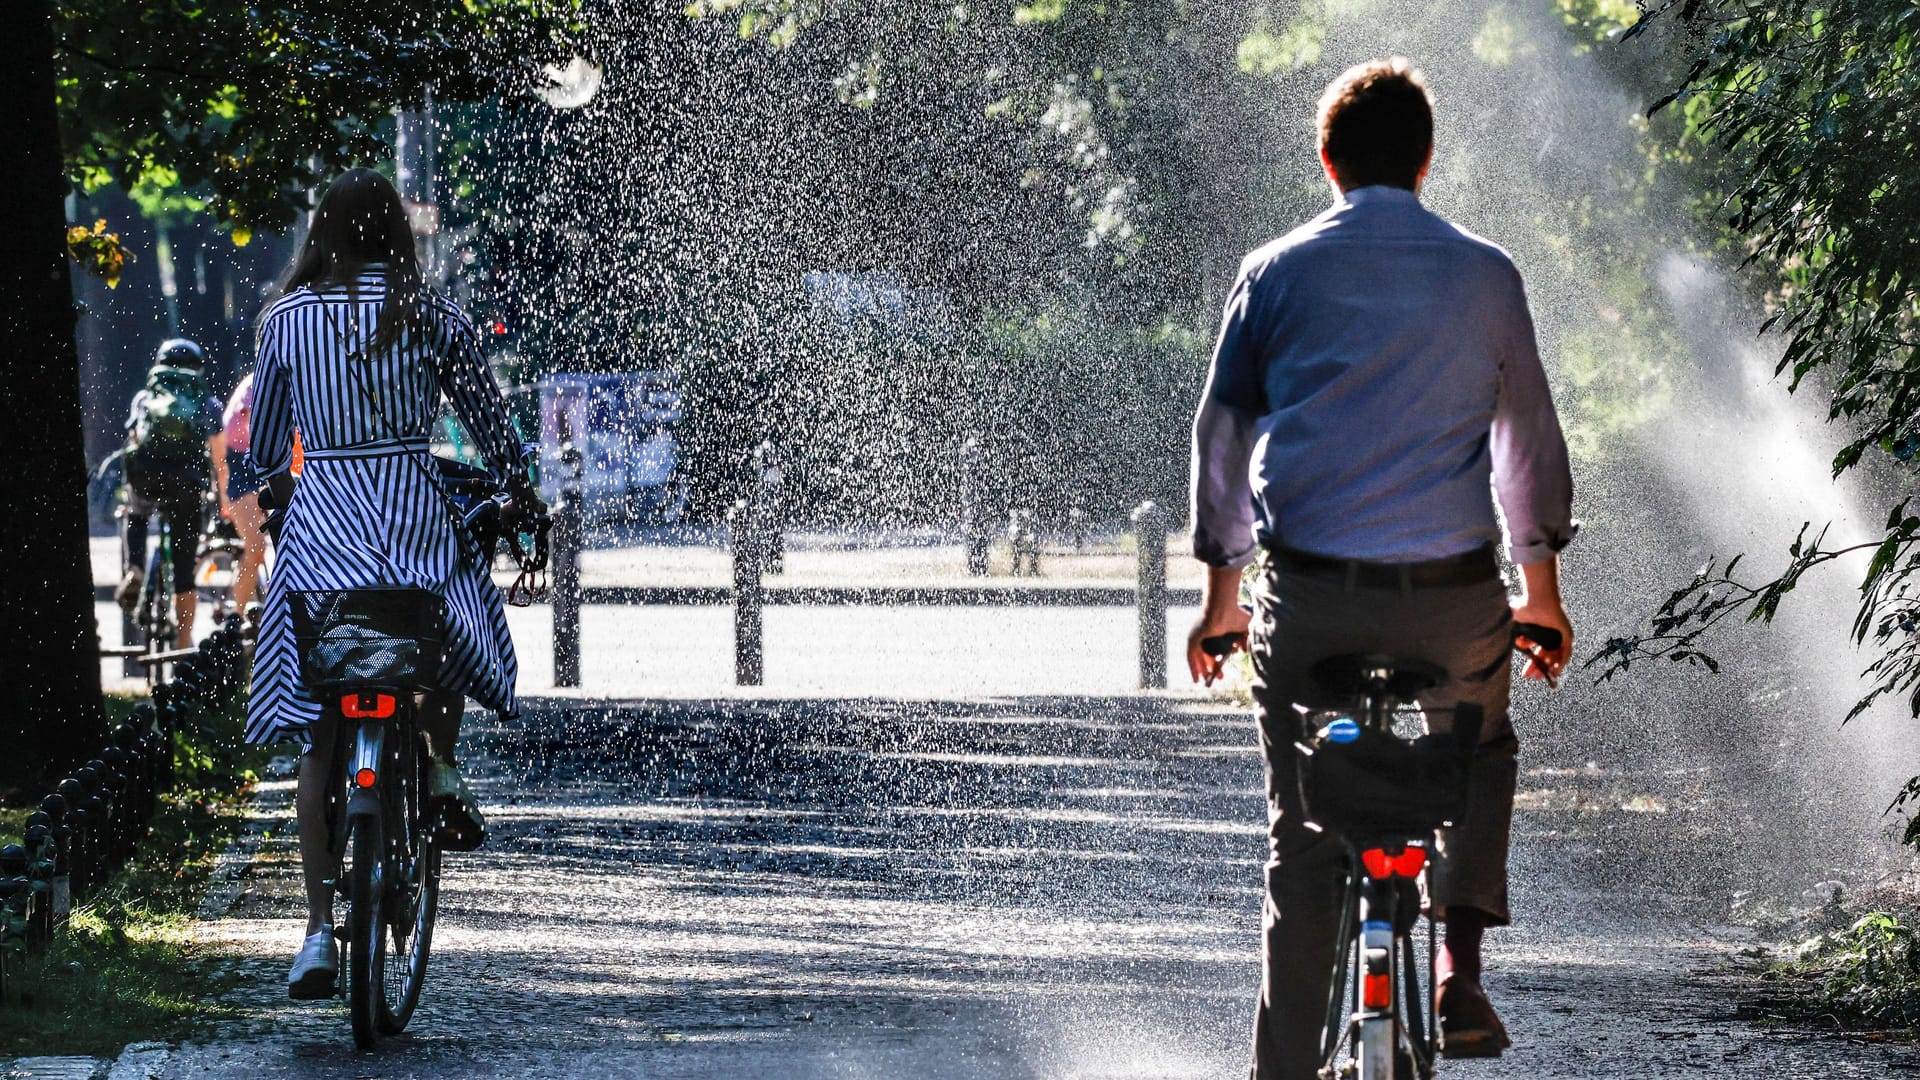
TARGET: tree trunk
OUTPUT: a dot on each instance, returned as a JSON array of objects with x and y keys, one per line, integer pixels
[{"x": 50, "y": 707}]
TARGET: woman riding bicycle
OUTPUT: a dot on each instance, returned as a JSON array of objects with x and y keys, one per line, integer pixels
[{"x": 357, "y": 354}]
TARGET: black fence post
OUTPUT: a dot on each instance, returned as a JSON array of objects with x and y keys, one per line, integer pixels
[
  {"x": 1150, "y": 542},
  {"x": 87, "y": 829},
  {"x": 744, "y": 533},
  {"x": 569, "y": 532}
]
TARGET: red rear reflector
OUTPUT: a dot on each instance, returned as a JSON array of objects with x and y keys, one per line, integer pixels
[
  {"x": 367, "y": 706},
  {"x": 364, "y": 778},
  {"x": 1376, "y": 991},
  {"x": 1380, "y": 865}
]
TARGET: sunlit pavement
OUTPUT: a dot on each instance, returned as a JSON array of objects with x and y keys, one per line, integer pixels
[{"x": 1012, "y": 886}]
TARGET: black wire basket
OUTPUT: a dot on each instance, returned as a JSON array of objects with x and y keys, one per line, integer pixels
[{"x": 389, "y": 636}]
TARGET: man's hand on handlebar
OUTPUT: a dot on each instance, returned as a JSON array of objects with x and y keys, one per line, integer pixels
[
  {"x": 1543, "y": 662},
  {"x": 1221, "y": 629},
  {"x": 1539, "y": 604}
]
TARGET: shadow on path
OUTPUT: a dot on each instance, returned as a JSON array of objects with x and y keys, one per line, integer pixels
[{"x": 1011, "y": 887}]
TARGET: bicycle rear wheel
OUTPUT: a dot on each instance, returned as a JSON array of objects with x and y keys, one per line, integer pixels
[
  {"x": 366, "y": 882},
  {"x": 412, "y": 901},
  {"x": 213, "y": 578},
  {"x": 1415, "y": 1008}
]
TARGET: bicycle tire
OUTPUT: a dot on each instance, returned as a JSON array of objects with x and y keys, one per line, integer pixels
[
  {"x": 1414, "y": 1011},
  {"x": 365, "y": 882},
  {"x": 410, "y": 917},
  {"x": 156, "y": 598}
]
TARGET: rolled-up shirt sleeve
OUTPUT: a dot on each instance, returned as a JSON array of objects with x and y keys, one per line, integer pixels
[
  {"x": 271, "y": 445},
  {"x": 1531, "y": 475},
  {"x": 1223, "y": 438}
]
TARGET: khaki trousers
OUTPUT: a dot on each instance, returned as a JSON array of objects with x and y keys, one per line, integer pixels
[{"x": 1300, "y": 619}]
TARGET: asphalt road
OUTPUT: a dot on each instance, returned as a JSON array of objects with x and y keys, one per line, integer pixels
[{"x": 1006, "y": 887}]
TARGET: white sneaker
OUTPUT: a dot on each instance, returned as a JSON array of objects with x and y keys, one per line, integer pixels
[{"x": 316, "y": 971}]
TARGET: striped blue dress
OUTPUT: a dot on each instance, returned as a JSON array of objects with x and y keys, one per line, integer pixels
[{"x": 367, "y": 510}]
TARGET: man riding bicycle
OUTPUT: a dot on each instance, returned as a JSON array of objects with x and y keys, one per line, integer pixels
[
  {"x": 173, "y": 436},
  {"x": 1376, "y": 368}
]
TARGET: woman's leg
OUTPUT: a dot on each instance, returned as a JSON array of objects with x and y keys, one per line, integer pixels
[
  {"x": 317, "y": 856},
  {"x": 440, "y": 720},
  {"x": 250, "y": 522}
]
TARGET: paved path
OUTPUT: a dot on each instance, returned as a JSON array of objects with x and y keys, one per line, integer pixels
[{"x": 1011, "y": 887}]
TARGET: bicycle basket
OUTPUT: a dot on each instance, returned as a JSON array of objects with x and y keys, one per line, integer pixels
[
  {"x": 387, "y": 636},
  {"x": 1377, "y": 787}
]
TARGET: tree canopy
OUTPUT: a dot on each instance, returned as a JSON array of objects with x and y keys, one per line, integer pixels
[{"x": 245, "y": 107}]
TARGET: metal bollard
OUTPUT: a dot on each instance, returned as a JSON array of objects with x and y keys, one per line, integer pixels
[
  {"x": 747, "y": 595},
  {"x": 569, "y": 527},
  {"x": 1150, "y": 541},
  {"x": 770, "y": 508},
  {"x": 973, "y": 506},
  {"x": 21, "y": 912}
]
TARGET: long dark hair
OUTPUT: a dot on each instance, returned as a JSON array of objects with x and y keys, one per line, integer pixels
[{"x": 361, "y": 221}]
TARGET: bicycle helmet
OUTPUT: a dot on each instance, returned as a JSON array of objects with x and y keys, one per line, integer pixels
[{"x": 180, "y": 352}]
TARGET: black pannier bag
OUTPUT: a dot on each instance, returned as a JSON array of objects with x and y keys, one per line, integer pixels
[
  {"x": 385, "y": 636},
  {"x": 1381, "y": 789}
]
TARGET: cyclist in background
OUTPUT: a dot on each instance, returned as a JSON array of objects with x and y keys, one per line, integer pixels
[
  {"x": 238, "y": 483},
  {"x": 173, "y": 438}
]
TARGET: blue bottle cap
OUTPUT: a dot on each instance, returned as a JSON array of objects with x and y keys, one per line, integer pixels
[{"x": 1342, "y": 730}]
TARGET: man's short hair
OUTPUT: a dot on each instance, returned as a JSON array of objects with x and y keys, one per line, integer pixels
[{"x": 1376, "y": 123}]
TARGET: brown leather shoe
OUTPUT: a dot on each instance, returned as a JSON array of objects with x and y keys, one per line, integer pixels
[{"x": 1469, "y": 1028}]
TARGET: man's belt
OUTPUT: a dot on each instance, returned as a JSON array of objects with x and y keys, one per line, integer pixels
[{"x": 1471, "y": 568}]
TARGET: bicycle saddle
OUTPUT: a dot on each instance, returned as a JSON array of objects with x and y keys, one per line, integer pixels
[{"x": 1354, "y": 674}]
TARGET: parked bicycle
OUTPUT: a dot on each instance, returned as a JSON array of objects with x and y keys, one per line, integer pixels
[
  {"x": 371, "y": 656},
  {"x": 1384, "y": 795}
]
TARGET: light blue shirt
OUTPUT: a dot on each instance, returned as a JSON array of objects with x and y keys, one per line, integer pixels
[{"x": 1375, "y": 385}]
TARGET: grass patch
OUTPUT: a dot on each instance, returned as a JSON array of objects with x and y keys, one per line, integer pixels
[
  {"x": 1862, "y": 974},
  {"x": 126, "y": 967}
]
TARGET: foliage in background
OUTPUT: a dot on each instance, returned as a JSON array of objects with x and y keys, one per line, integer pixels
[
  {"x": 248, "y": 106},
  {"x": 1811, "y": 111},
  {"x": 1864, "y": 975},
  {"x": 98, "y": 251}
]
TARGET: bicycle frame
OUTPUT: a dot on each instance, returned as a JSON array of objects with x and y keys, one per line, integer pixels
[
  {"x": 389, "y": 865},
  {"x": 155, "y": 605},
  {"x": 1383, "y": 899}
]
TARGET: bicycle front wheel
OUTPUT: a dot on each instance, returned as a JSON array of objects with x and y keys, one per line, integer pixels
[{"x": 156, "y": 600}]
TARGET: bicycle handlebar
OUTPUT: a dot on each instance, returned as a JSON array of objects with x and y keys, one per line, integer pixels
[
  {"x": 1221, "y": 646},
  {"x": 1544, "y": 636}
]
